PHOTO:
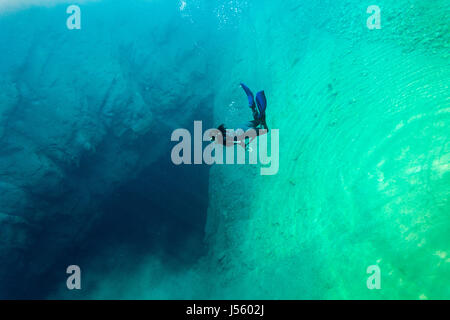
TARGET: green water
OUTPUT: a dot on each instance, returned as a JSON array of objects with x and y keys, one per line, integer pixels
[
  {"x": 364, "y": 178},
  {"x": 364, "y": 118}
]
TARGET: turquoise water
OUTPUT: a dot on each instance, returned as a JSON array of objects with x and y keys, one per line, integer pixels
[{"x": 364, "y": 151}]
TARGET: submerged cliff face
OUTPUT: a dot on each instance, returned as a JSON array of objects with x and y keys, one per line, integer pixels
[
  {"x": 363, "y": 118},
  {"x": 83, "y": 112}
]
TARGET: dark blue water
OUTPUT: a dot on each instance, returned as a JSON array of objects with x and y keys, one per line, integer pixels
[{"x": 161, "y": 213}]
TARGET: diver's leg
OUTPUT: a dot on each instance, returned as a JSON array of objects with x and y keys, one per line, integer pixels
[{"x": 255, "y": 112}]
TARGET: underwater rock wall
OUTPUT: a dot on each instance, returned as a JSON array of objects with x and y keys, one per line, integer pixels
[
  {"x": 364, "y": 155},
  {"x": 82, "y": 113}
]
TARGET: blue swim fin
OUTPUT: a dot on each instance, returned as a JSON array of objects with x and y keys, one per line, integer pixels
[
  {"x": 251, "y": 99},
  {"x": 261, "y": 102}
]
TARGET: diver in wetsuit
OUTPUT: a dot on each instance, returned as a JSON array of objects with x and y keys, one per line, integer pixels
[{"x": 258, "y": 125}]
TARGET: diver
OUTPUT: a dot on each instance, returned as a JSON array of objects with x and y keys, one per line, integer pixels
[{"x": 252, "y": 129}]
